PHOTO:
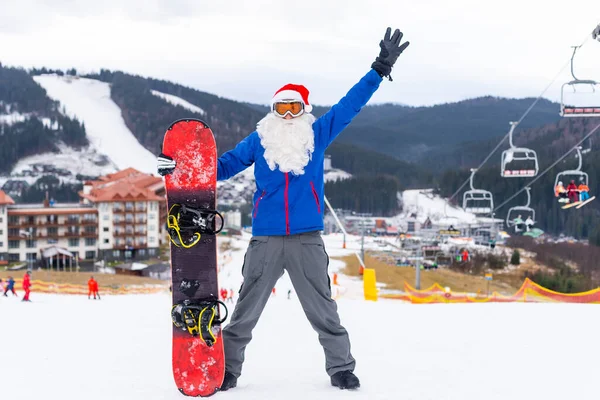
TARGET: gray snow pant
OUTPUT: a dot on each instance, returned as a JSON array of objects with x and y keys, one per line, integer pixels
[{"x": 303, "y": 256}]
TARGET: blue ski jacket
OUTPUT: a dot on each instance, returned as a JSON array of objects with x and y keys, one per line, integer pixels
[{"x": 284, "y": 203}]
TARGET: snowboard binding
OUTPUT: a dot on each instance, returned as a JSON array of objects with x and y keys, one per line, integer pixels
[
  {"x": 198, "y": 318},
  {"x": 192, "y": 221},
  {"x": 166, "y": 164}
]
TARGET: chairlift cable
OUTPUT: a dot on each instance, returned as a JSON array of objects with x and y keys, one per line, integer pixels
[
  {"x": 550, "y": 167},
  {"x": 568, "y": 63}
]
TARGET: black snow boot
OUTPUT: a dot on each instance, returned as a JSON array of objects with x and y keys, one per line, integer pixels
[
  {"x": 345, "y": 380},
  {"x": 229, "y": 382}
]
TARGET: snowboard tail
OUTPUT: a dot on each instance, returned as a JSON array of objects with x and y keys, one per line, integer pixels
[{"x": 190, "y": 182}]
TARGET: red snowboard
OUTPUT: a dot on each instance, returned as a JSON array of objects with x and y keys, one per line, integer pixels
[{"x": 198, "y": 368}]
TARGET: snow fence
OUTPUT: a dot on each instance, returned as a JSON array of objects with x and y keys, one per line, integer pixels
[{"x": 530, "y": 292}]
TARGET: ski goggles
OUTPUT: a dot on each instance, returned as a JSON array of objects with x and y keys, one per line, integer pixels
[{"x": 294, "y": 108}]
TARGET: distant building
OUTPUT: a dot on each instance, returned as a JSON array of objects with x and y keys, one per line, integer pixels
[{"x": 120, "y": 216}]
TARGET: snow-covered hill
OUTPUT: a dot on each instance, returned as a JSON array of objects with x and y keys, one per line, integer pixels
[
  {"x": 424, "y": 203},
  {"x": 89, "y": 101},
  {"x": 178, "y": 101}
]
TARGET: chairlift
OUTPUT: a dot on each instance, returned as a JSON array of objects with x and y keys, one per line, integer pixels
[
  {"x": 573, "y": 172},
  {"x": 518, "y": 211},
  {"x": 477, "y": 201},
  {"x": 571, "y": 110},
  {"x": 518, "y": 156}
]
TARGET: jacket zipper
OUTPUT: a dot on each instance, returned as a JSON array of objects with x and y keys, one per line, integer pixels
[
  {"x": 287, "y": 214},
  {"x": 312, "y": 186},
  {"x": 258, "y": 201}
]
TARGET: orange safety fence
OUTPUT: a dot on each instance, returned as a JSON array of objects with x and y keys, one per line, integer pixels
[
  {"x": 67, "y": 288},
  {"x": 530, "y": 292}
]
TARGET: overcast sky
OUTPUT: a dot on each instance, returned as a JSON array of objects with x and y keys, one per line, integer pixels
[{"x": 246, "y": 49}]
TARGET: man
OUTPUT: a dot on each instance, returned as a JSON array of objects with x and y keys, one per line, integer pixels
[
  {"x": 573, "y": 192},
  {"x": 561, "y": 193},
  {"x": 584, "y": 190},
  {"x": 10, "y": 287},
  {"x": 287, "y": 150},
  {"x": 26, "y": 286},
  {"x": 93, "y": 288}
]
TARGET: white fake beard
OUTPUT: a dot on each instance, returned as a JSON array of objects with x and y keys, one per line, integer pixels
[{"x": 288, "y": 143}]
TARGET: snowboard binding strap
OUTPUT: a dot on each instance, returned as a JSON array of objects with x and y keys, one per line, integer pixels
[
  {"x": 166, "y": 164},
  {"x": 198, "y": 319},
  {"x": 191, "y": 220}
]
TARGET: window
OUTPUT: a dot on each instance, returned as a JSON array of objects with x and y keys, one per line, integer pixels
[
  {"x": 127, "y": 253},
  {"x": 13, "y": 244},
  {"x": 151, "y": 252},
  {"x": 31, "y": 244},
  {"x": 151, "y": 239},
  {"x": 13, "y": 219},
  {"x": 129, "y": 217},
  {"x": 52, "y": 230},
  {"x": 116, "y": 253},
  {"x": 105, "y": 229},
  {"x": 13, "y": 257},
  {"x": 31, "y": 256},
  {"x": 141, "y": 252},
  {"x": 152, "y": 227},
  {"x": 104, "y": 207},
  {"x": 90, "y": 241},
  {"x": 106, "y": 241},
  {"x": 152, "y": 216},
  {"x": 52, "y": 241},
  {"x": 90, "y": 229},
  {"x": 106, "y": 217},
  {"x": 13, "y": 231},
  {"x": 1, "y": 244},
  {"x": 1, "y": 219},
  {"x": 90, "y": 255},
  {"x": 73, "y": 242},
  {"x": 1, "y": 232},
  {"x": 129, "y": 206}
]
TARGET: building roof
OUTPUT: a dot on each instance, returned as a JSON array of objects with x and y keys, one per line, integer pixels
[
  {"x": 5, "y": 199},
  {"x": 127, "y": 185}
]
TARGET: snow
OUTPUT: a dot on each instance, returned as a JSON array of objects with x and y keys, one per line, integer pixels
[
  {"x": 178, "y": 101},
  {"x": 120, "y": 348},
  {"x": 12, "y": 118},
  {"x": 89, "y": 101},
  {"x": 64, "y": 165},
  {"x": 425, "y": 204},
  {"x": 336, "y": 174}
]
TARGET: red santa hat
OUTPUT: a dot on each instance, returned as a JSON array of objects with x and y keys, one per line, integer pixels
[{"x": 293, "y": 92}]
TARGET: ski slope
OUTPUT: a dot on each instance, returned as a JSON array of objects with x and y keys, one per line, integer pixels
[
  {"x": 70, "y": 348},
  {"x": 178, "y": 101},
  {"x": 89, "y": 101}
]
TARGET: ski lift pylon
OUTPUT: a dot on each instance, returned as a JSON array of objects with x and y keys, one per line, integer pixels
[
  {"x": 477, "y": 201},
  {"x": 519, "y": 156},
  {"x": 569, "y": 110},
  {"x": 573, "y": 172},
  {"x": 514, "y": 212}
]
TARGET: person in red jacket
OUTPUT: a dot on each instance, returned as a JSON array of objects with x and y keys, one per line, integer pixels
[
  {"x": 26, "y": 286},
  {"x": 93, "y": 288},
  {"x": 573, "y": 192}
]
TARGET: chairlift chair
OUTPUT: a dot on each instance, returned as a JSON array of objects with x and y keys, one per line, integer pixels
[
  {"x": 477, "y": 201},
  {"x": 570, "y": 110},
  {"x": 518, "y": 156},
  {"x": 573, "y": 172},
  {"x": 514, "y": 212}
]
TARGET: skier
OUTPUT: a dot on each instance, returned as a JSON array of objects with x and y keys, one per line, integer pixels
[
  {"x": 529, "y": 223},
  {"x": 26, "y": 286},
  {"x": 572, "y": 192},
  {"x": 561, "y": 193},
  {"x": 93, "y": 288},
  {"x": 465, "y": 255},
  {"x": 584, "y": 190},
  {"x": 518, "y": 223},
  {"x": 287, "y": 150},
  {"x": 230, "y": 297},
  {"x": 289, "y": 294},
  {"x": 1, "y": 286},
  {"x": 10, "y": 287}
]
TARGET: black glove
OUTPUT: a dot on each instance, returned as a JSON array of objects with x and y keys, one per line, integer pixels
[
  {"x": 390, "y": 51},
  {"x": 596, "y": 33}
]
